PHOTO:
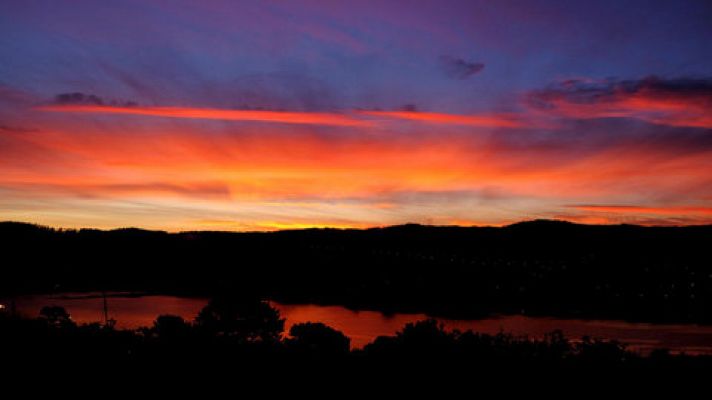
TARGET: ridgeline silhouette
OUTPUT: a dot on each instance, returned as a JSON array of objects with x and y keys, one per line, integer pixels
[{"x": 547, "y": 268}]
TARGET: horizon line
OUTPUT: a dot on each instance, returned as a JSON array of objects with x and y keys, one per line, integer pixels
[{"x": 337, "y": 228}]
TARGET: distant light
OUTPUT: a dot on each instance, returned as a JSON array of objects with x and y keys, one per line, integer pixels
[{"x": 2, "y": 306}]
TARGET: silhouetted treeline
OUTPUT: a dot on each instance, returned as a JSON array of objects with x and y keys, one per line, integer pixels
[
  {"x": 247, "y": 332},
  {"x": 661, "y": 274}
]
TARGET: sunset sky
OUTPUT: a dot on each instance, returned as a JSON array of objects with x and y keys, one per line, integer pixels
[{"x": 263, "y": 115}]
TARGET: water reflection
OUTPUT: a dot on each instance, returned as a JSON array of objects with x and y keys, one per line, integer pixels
[{"x": 362, "y": 327}]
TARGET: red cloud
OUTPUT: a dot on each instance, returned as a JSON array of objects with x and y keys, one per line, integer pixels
[
  {"x": 634, "y": 209},
  {"x": 216, "y": 114},
  {"x": 487, "y": 120},
  {"x": 290, "y": 117},
  {"x": 677, "y": 102}
]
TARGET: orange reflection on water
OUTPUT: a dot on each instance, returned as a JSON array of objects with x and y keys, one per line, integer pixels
[{"x": 361, "y": 326}]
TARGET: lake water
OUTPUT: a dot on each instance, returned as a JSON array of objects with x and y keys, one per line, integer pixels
[{"x": 364, "y": 326}]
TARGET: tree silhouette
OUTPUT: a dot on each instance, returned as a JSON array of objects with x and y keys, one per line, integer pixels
[
  {"x": 56, "y": 316},
  {"x": 315, "y": 337},
  {"x": 170, "y": 327},
  {"x": 245, "y": 318},
  {"x": 426, "y": 334}
]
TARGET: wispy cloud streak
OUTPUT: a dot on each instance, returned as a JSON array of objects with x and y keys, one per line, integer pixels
[
  {"x": 354, "y": 119},
  {"x": 287, "y": 117},
  {"x": 486, "y": 120}
]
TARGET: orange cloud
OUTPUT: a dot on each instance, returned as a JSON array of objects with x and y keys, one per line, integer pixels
[
  {"x": 67, "y": 172},
  {"x": 263, "y": 164}
]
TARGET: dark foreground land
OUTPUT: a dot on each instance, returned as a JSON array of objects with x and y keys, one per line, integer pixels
[
  {"x": 536, "y": 268},
  {"x": 540, "y": 268},
  {"x": 237, "y": 332}
]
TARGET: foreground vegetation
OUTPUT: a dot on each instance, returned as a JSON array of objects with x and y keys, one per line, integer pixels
[{"x": 244, "y": 332}]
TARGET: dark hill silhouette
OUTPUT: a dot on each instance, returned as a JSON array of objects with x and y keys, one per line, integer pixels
[{"x": 659, "y": 274}]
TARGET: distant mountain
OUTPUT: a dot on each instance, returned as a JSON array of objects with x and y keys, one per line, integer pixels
[{"x": 13, "y": 227}]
